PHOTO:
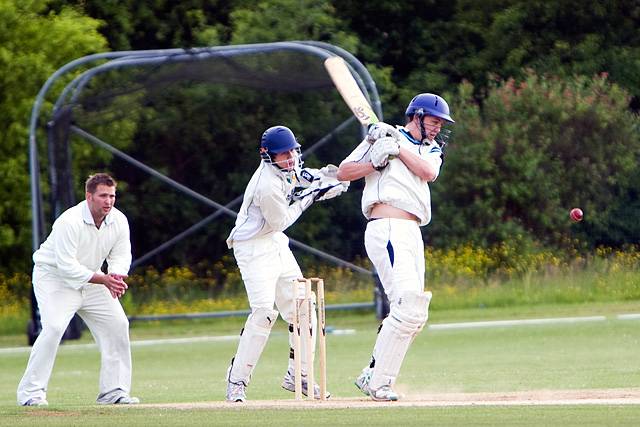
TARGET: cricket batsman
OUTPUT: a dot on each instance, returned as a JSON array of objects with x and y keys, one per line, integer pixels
[{"x": 398, "y": 163}]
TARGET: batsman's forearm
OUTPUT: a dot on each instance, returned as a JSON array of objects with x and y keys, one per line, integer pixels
[
  {"x": 419, "y": 167},
  {"x": 352, "y": 170}
]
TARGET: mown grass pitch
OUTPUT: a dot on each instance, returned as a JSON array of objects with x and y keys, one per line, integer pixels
[{"x": 566, "y": 356}]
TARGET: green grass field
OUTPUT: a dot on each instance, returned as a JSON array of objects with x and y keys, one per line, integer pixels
[{"x": 562, "y": 356}]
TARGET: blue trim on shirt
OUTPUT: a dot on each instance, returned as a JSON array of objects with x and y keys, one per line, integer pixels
[{"x": 409, "y": 137}]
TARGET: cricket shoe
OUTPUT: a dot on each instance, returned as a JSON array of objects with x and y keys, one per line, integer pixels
[
  {"x": 289, "y": 383},
  {"x": 127, "y": 400},
  {"x": 383, "y": 394},
  {"x": 36, "y": 401},
  {"x": 236, "y": 392},
  {"x": 362, "y": 382},
  {"x": 116, "y": 397}
]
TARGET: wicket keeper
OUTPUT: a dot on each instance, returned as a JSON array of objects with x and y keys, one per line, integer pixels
[{"x": 277, "y": 194}]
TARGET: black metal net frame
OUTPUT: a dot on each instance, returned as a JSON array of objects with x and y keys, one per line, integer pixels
[{"x": 60, "y": 180}]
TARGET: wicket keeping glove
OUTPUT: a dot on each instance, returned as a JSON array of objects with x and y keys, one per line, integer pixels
[
  {"x": 306, "y": 176},
  {"x": 330, "y": 190},
  {"x": 329, "y": 171},
  {"x": 322, "y": 189}
]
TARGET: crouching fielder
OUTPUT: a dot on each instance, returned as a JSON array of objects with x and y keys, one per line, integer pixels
[
  {"x": 67, "y": 279},
  {"x": 277, "y": 194},
  {"x": 397, "y": 164}
]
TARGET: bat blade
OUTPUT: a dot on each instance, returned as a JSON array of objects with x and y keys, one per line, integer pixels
[{"x": 350, "y": 91}]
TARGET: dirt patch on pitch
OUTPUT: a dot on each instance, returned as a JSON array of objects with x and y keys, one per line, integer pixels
[{"x": 536, "y": 397}]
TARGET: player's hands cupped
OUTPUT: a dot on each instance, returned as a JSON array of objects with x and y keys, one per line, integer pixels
[{"x": 115, "y": 284}]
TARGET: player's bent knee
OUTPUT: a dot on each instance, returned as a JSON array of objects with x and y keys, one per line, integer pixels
[
  {"x": 252, "y": 341},
  {"x": 54, "y": 330},
  {"x": 262, "y": 318},
  {"x": 411, "y": 312},
  {"x": 122, "y": 323}
]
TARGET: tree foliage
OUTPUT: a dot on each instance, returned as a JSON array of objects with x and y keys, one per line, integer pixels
[
  {"x": 435, "y": 45},
  {"x": 540, "y": 91},
  {"x": 278, "y": 20},
  {"x": 157, "y": 24},
  {"x": 33, "y": 44},
  {"x": 534, "y": 149}
]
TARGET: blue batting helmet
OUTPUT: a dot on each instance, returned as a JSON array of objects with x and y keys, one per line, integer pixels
[
  {"x": 278, "y": 139},
  {"x": 428, "y": 104}
]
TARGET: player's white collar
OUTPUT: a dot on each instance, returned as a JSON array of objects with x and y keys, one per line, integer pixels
[
  {"x": 88, "y": 218},
  {"x": 287, "y": 176}
]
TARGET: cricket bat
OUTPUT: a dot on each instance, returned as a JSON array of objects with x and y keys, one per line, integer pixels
[{"x": 350, "y": 91}]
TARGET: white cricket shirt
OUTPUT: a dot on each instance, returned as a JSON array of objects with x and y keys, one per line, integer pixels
[
  {"x": 396, "y": 185},
  {"x": 76, "y": 249}
]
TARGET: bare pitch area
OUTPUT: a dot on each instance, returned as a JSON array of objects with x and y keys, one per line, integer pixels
[{"x": 630, "y": 396}]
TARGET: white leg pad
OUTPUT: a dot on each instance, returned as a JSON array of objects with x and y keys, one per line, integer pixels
[
  {"x": 303, "y": 342},
  {"x": 252, "y": 341},
  {"x": 405, "y": 321}
]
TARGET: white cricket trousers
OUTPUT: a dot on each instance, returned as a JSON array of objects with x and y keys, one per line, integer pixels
[
  {"x": 396, "y": 249},
  {"x": 268, "y": 270},
  {"x": 103, "y": 315}
]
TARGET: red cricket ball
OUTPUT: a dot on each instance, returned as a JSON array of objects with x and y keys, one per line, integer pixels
[{"x": 576, "y": 214}]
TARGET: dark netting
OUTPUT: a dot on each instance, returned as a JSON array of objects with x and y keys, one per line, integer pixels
[{"x": 199, "y": 122}]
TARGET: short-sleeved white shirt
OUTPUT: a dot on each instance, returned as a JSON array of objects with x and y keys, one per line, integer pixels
[{"x": 396, "y": 185}]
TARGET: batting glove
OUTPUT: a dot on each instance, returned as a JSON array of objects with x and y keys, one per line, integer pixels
[
  {"x": 382, "y": 130},
  {"x": 381, "y": 150}
]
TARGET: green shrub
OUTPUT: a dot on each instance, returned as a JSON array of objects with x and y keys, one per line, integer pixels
[
  {"x": 531, "y": 149},
  {"x": 508, "y": 274}
]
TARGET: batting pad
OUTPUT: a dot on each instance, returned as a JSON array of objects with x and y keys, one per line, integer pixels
[
  {"x": 406, "y": 320},
  {"x": 252, "y": 341}
]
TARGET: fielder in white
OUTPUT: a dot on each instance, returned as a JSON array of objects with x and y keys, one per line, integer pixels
[
  {"x": 277, "y": 194},
  {"x": 67, "y": 279},
  {"x": 398, "y": 163}
]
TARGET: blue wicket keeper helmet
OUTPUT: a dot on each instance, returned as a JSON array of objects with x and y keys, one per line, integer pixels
[
  {"x": 276, "y": 140},
  {"x": 428, "y": 104}
]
